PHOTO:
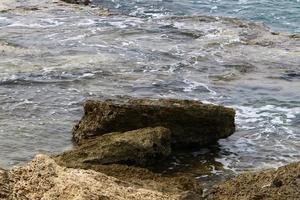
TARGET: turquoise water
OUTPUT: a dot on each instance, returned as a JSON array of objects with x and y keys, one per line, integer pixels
[{"x": 280, "y": 15}]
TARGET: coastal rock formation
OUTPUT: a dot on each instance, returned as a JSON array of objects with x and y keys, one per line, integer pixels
[
  {"x": 184, "y": 184},
  {"x": 44, "y": 179},
  {"x": 190, "y": 122},
  {"x": 283, "y": 183},
  {"x": 139, "y": 147}
]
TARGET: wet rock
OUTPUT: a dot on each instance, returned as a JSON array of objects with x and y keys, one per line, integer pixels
[
  {"x": 84, "y": 2},
  {"x": 139, "y": 147},
  {"x": 283, "y": 183},
  {"x": 295, "y": 36},
  {"x": 242, "y": 68},
  {"x": 44, "y": 179},
  {"x": 190, "y": 122}
]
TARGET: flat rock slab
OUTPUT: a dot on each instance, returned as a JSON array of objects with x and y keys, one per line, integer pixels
[
  {"x": 139, "y": 147},
  {"x": 190, "y": 122}
]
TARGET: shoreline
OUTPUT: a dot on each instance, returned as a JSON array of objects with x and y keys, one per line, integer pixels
[
  {"x": 117, "y": 165},
  {"x": 262, "y": 42}
]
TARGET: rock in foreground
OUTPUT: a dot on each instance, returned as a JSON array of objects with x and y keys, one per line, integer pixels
[
  {"x": 184, "y": 184},
  {"x": 190, "y": 122},
  {"x": 139, "y": 147},
  {"x": 44, "y": 179},
  {"x": 4, "y": 184},
  {"x": 283, "y": 183}
]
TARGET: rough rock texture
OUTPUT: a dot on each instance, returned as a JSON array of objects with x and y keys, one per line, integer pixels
[
  {"x": 141, "y": 177},
  {"x": 283, "y": 183},
  {"x": 191, "y": 122},
  {"x": 4, "y": 184},
  {"x": 139, "y": 147},
  {"x": 43, "y": 179}
]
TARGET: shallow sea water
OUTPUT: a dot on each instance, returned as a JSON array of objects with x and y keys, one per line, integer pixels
[{"x": 55, "y": 57}]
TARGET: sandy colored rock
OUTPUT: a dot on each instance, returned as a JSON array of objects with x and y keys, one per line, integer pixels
[
  {"x": 191, "y": 122},
  {"x": 283, "y": 183},
  {"x": 4, "y": 184},
  {"x": 180, "y": 184},
  {"x": 43, "y": 179},
  {"x": 139, "y": 147}
]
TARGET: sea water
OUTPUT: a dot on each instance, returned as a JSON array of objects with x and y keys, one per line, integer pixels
[{"x": 55, "y": 56}]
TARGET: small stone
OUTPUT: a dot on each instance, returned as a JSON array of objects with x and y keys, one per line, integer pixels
[{"x": 277, "y": 182}]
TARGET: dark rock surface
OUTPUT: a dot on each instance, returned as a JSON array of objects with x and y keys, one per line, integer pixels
[
  {"x": 283, "y": 183},
  {"x": 190, "y": 122},
  {"x": 139, "y": 147},
  {"x": 4, "y": 184},
  {"x": 84, "y": 2}
]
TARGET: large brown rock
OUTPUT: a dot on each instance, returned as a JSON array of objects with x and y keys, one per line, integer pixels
[
  {"x": 283, "y": 183},
  {"x": 43, "y": 179},
  {"x": 191, "y": 122},
  {"x": 139, "y": 147}
]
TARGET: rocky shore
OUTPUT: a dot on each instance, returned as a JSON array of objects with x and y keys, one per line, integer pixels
[
  {"x": 116, "y": 146},
  {"x": 283, "y": 183},
  {"x": 118, "y": 143},
  {"x": 43, "y": 178}
]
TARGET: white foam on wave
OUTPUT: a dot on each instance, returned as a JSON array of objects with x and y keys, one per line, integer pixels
[
  {"x": 274, "y": 115},
  {"x": 74, "y": 38},
  {"x": 226, "y": 163},
  {"x": 87, "y": 75},
  {"x": 7, "y": 77},
  {"x": 261, "y": 132},
  {"x": 3, "y": 19},
  {"x": 86, "y": 22},
  {"x": 118, "y": 24},
  {"x": 43, "y": 23},
  {"x": 52, "y": 22},
  {"x": 193, "y": 85}
]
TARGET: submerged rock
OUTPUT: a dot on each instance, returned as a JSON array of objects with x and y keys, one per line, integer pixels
[
  {"x": 283, "y": 183},
  {"x": 140, "y": 147},
  {"x": 84, "y": 2},
  {"x": 190, "y": 122},
  {"x": 44, "y": 179}
]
